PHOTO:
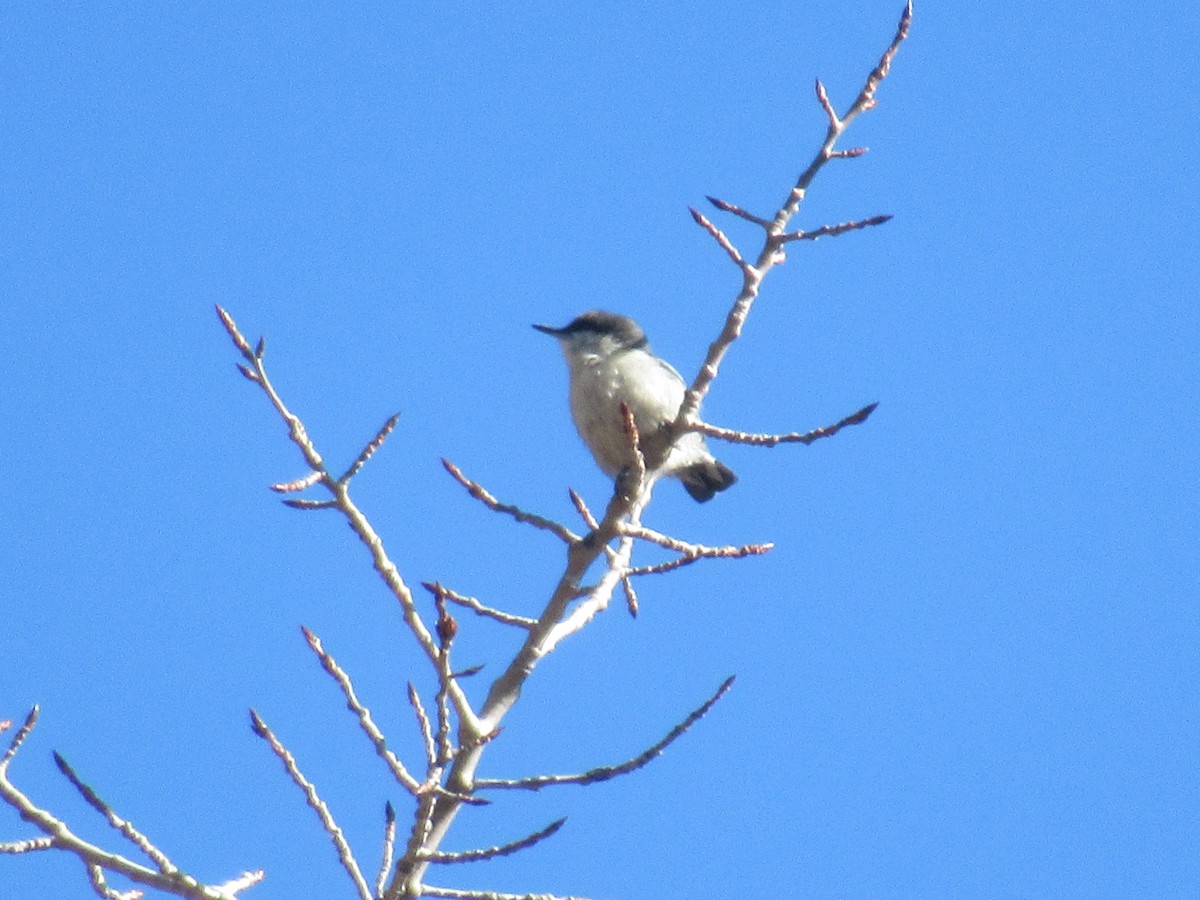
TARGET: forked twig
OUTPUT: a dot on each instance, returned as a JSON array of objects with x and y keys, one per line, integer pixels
[{"x": 774, "y": 240}]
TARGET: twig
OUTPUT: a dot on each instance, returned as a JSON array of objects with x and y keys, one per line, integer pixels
[
  {"x": 100, "y": 885},
  {"x": 493, "y": 852},
  {"x": 719, "y": 236},
  {"x": 604, "y": 773},
  {"x": 19, "y": 738},
  {"x": 834, "y": 230},
  {"x": 428, "y": 890},
  {"x": 95, "y": 859},
  {"x": 349, "y": 863},
  {"x": 300, "y": 484},
  {"x": 472, "y": 604},
  {"x": 378, "y": 741},
  {"x": 582, "y": 509},
  {"x": 726, "y": 206},
  {"x": 770, "y": 440},
  {"x": 414, "y": 700},
  {"x": 369, "y": 450},
  {"x": 480, "y": 493},
  {"x": 773, "y": 242},
  {"x": 243, "y": 881},
  {"x": 125, "y": 827},
  {"x": 389, "y": 845},
  {"x": 700, "y": 553},
  {"x": 358, "y": 522},
  {"x": 26, "y": 846}
]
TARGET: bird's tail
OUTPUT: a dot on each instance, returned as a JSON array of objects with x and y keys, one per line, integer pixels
[{"x": 704, "y": 479}]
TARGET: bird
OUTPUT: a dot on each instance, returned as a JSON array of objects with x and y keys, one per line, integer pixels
[{"x": 610, "y": 363}]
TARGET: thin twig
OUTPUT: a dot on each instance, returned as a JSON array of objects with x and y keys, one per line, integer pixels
[
  {"x": 770, "y": 440},
  {"x": 773, "y": 243},
  {"x": 100, "y": 885},
  {"x": 26, "y": 846},
  {"x": 378, "y": 741},
  {"x": 726, "y": 206},
  {"x": 358, "y": 522},
  {"x": 243, "y": 881},
  {"x": 311, "y": 504},
  {"x": 428, "y": 890},
  {"x": 480, "y": 493},
  {"x": 124, "y": 826},
  {"x": 414, "y": 700},
  {"x": 369, "y": 450},
  {"x": 582, "y": 508},
  {"x": 834, "y": 230},
  {"x": 349, "y": 863},
  {"x": 493, "y": 852},
  {"x": 389, "y": 846},
  {"x": 300, "y": 484},
  {"x": 719, "y": 236},
  {"x": 472, "y": 604},
  {"x": 19, "y": 738},
  {"x": 604, "y": 773},
  {"x": 702, "y": 553}
]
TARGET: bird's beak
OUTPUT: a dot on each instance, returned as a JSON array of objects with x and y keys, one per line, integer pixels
[{"x": 548, "y": 329}]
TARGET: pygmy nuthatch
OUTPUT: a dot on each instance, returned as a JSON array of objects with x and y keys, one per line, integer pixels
[{"x": 610, "y": 363}]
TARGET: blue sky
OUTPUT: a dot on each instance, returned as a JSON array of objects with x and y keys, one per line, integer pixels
[{"x": 968, "y": 669}]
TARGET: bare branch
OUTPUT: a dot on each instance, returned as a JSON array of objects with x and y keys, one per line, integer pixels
[
  {"x": 19, "y": 738},
  {"x": 414, "y": 700},
  {"x": 349, "y": 863},
  {"x": 240, "y": 342},
  {"x": 770, "y": 440},
  {"x": 728, "y": 207},
  {"x": 311, "y": 504},
  {"x": 773, "y": 243},
  {"x": 243, "y": 881},
  {"x": 389, "y": 843},
  {"x": 582, "y": 508},
  {"x": 447, "y": 628},
  {"x": 636, "y": 473},
  {"x": 428, "y": 890},
  {"x": 481, "y": 494},
  {"x": 719, "y": 236},
  {"x": 100, "y": 885},
  {"x": 700, "y": 553},
  {"x": 26, "y": 846},
  {"x": 604, "y": 773},
  {"x": 835, "y": 123},
  {"x": 369, "y": 450},
  {"x": 95, "y": 859},
  {"x": 378, "y": 741},
  {"x": 493, "y": 852},
  {"x": 472, "y": 604},
  {"x": 300, "y": 484},
  {"x": 834, "y": 230},
  {"x": 124, "y": 826},
  {"x": 631, "y": 597},
  {"x": 866, "y": 99}
]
